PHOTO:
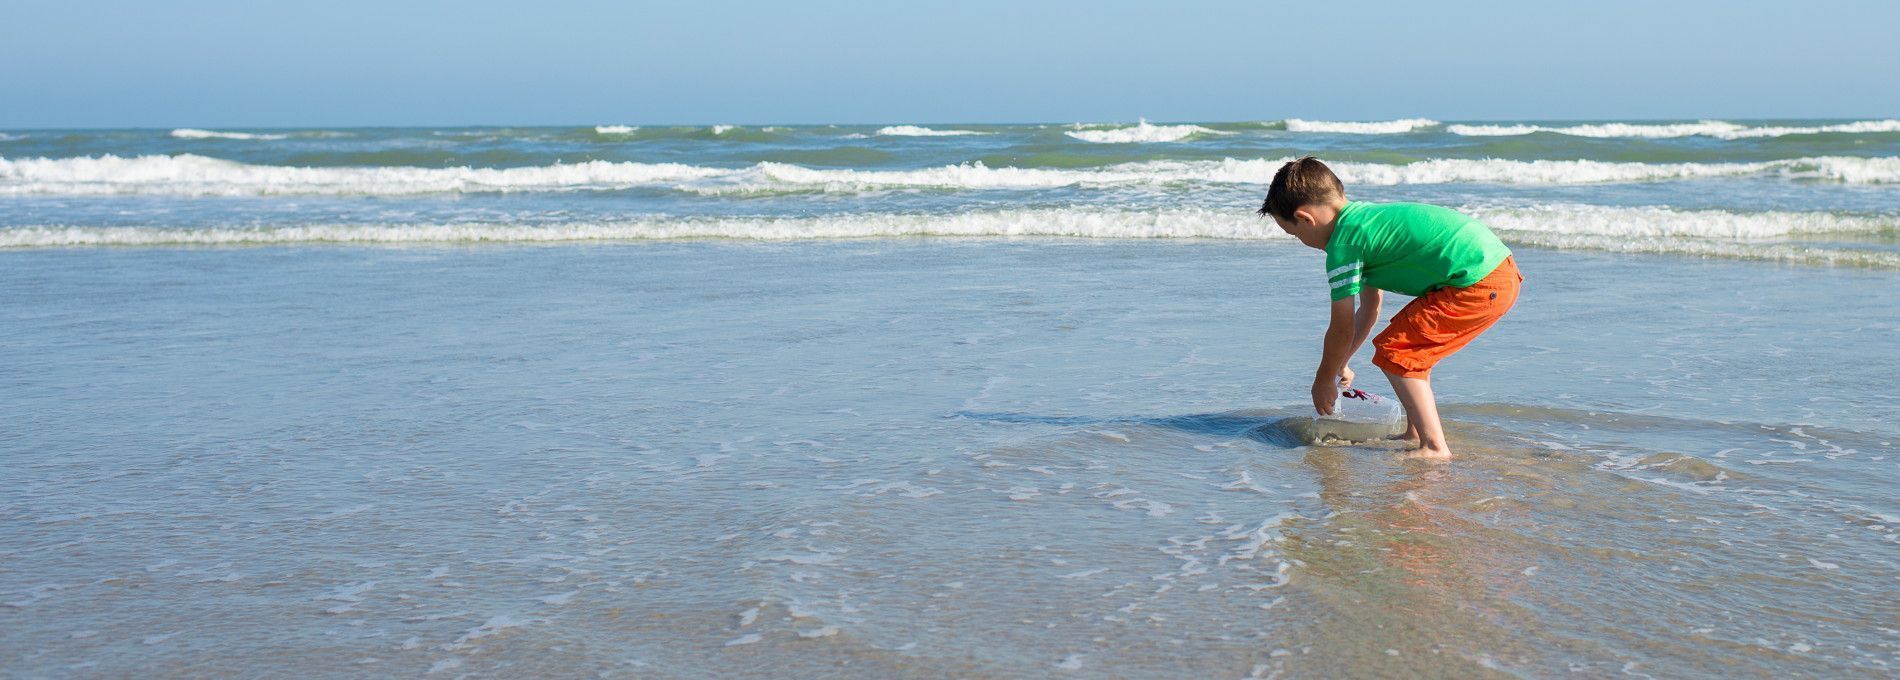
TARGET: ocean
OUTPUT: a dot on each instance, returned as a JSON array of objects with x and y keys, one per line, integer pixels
[{"x": 933, "y": 400}]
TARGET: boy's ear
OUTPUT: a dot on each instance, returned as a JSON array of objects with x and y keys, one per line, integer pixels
[{"x": 1304, "y": 217}]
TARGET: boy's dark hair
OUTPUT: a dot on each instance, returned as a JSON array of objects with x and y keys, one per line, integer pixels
[{"x": 1300, "y": 182}]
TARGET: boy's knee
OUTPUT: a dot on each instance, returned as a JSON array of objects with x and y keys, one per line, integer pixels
[{"x": 1393, "y": 367}]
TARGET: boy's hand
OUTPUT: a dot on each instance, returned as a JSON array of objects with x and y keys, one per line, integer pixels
[
  {"x": 1332, "y": 363},
  {"x": 1345, "y": 378},
  {"x": 1325, "y": 394}
]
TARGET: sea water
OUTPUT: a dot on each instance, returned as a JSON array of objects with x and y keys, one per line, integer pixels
[{"x": 916, "y": 401}]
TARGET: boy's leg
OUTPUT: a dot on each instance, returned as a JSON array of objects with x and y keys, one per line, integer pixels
[
  {"x": 1421, "y": 416},
  {"x": 1430, "y": 328}
]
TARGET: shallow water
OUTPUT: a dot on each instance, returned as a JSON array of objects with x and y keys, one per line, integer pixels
[{"x": 924, "y": 457}]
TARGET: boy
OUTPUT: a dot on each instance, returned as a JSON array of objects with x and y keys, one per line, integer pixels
[{"x": 1463, "y": 276}]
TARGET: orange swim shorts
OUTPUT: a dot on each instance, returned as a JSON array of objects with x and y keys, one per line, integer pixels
[{"x": 1443, "y": 321}]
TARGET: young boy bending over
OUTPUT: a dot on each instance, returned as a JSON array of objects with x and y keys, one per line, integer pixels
[{"x": 1462, "y": 276}]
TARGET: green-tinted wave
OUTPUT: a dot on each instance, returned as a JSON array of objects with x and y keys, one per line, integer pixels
[
  {"x": 840, "y": 157},
  {"x": 424, "y": 158}
]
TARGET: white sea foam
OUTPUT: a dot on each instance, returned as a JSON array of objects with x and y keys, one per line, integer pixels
[
  {"x": 194, "y": 133},
  {"x": 1384, "y": 127},
  {"x": 1702, "y": 233},
  {"x": 915, "y": 131},
  {"x": 1849, "y": 170},
  {"x": 193, "y": 175},
  {"x": 1143, "y": 131},
  {"x": 1775, "y": 252},
  {"x": 1707, "y": 128},
  {"x": 615, "y": 129},
  {"x": 1711, "y": 233},
  {"x": 1492, "y": 171},
  {"x": 4, "y": 137},
  {"x": 1495, "y": 171},
  {"x": 776, "y": 177},
  {"x": 1028, "y": 222},
  {"x": 1649, "y": 222},
  {"x": 723, "y": 129},
  {"x": 1252, "y": 542}
]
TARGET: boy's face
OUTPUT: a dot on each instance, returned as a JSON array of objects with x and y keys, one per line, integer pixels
[{"x": 1304, "y": 228}]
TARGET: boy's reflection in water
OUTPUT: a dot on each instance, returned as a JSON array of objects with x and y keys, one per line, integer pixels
[{"x": 1397, "y": 566}]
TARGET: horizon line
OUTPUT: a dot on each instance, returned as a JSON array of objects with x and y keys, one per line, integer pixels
[{"x": 204, "y": 126}]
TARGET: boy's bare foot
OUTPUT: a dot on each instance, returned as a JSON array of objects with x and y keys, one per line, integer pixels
[{"x": 1424, "y": 453}]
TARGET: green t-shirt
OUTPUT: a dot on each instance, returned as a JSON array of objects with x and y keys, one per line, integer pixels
[{"x": 1408, "y": 248}]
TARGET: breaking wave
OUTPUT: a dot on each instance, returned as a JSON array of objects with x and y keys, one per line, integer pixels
[{"x": 193, "y": 175}]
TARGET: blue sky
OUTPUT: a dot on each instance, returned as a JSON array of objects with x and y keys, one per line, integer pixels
[{"x": 78, "y": 63}]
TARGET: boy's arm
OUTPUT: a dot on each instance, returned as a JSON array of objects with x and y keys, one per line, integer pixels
[
  {"x": 1365, "y": 318},
  {"x": 1339, "y": 345}
]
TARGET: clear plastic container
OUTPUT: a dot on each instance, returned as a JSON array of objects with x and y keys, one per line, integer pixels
[
  {"x": 1360, "y": 406},
  {"x": 1359, "y": 416}
]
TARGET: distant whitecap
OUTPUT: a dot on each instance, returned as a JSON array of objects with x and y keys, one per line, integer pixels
[
  {"x": 194, "y": 133},
  {"x": 1142, "y": 132},
  {"x": 1386, "y": 127},
  {"x": 915, "y": 131},
  {"x": 1707, "y": 128}
]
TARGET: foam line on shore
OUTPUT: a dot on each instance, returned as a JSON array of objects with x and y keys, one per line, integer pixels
[{"x": 1712, "y": 233}]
